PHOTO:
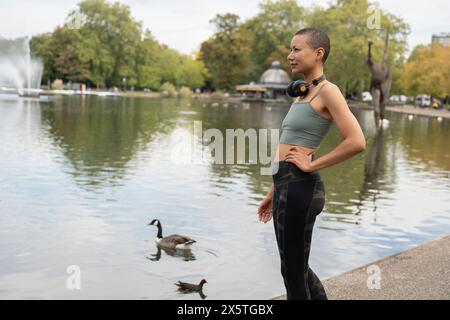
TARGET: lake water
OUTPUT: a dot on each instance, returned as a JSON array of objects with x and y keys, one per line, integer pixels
[{"x": 80, "y": 179}]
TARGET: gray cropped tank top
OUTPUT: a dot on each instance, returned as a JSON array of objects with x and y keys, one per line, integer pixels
[{"x": 303, "y": 125}]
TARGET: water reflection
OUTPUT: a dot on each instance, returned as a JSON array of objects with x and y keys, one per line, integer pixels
[
  {"x": 186, "y": 255},
  {"x": 99, "y": 137},
  {"x": 375, "y": 175},
  {"x": 424, "y": 140}
]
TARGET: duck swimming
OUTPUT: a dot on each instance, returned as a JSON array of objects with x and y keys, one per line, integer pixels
[
  {"x": 189, "y": 287},
  {"x": 174, "y": 241}
]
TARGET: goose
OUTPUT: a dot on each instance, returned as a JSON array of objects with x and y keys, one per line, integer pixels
[
  {"x": 189, "y": 287},
  {"x": 174, "y": 241}
]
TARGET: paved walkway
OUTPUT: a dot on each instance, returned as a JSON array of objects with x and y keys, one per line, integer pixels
[
  {"x": 419, "y": 273},
  {"x": 409, "y": 110}
]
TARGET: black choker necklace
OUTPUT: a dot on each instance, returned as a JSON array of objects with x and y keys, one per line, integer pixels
[
  {"x": 318, "y": 80},
  {"x": 300, "y": 88}
]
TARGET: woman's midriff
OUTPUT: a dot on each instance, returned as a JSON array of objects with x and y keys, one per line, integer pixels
[{"x": 283, "y": 150}]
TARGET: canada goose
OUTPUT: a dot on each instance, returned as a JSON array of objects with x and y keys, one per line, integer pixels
[
  {"x": 174, "y": 241},
  {"x": 189, "y": 287}
]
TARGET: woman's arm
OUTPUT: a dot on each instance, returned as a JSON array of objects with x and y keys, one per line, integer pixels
[
  {"x": 353, "y": 142},
  {"x": 270, "y": 192}
]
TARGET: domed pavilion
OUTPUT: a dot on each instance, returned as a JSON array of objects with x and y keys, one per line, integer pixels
[{"x": 272, "y": 85}]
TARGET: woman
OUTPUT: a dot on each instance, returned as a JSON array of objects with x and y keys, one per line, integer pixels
[{"x": 297, "y": 194}]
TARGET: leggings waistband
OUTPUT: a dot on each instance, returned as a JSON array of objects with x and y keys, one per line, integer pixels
[{"x": 284, "y": 172}]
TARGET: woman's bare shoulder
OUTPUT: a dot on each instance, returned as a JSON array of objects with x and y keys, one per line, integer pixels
[
  {"x": 331, "y": 85},
  {"x": 331, "y": 90}
]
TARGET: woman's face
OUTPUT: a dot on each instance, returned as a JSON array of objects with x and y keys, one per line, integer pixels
[{"x": 302, "y": 57}]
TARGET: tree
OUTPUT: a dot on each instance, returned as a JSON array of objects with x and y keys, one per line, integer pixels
[
  {"x": 273, "y": 29},
  {"x": 346, "y": 24},
  {"x": 228, "y": 54},
  {"x": 147, "y": 65},
  {"x": 117, "y": 33},
  {"x": 72, "y": 57},
  {"x": 42, "y": 46},
  {"x": 101, "y": 43},
  {"x": 192, "y": 73},
  {"x": 427, "y": 71}
]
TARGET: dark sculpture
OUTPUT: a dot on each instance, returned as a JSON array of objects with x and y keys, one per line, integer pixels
[{"x": 380, "y": 84}]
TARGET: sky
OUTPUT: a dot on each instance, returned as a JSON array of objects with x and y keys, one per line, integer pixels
[{"x": 184, "y": 25}]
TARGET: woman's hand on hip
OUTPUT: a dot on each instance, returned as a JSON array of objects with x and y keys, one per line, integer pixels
[{"x": 300, "y": 159}]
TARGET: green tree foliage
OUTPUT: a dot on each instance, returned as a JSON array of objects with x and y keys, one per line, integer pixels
[
  {"x": 42, "y": 46},
  {"x": 228, "y": 54},
  {"x": 102, "y": 44},
  {"x": 108, "y": 45},
  {"x": 273, "y": 28},
  {"x": 345, "y": 21}
]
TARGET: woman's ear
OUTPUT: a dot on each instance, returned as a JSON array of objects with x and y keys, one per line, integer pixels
[{"x": 320, "y": 54}]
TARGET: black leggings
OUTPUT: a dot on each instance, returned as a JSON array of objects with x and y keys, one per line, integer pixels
[{"x": 298, "y": 198}]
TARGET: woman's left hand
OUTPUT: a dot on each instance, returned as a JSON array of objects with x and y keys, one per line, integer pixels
[{"x": 300, "y": 159}]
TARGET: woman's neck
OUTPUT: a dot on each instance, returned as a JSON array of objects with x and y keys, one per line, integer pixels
[{"x": 313, "y": 74}]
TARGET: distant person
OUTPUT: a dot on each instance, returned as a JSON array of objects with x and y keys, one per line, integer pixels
[{"x": 297, "y": 194}]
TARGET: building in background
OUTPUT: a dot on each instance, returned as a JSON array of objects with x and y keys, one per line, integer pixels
[
  {"x": 443, "y": 38},
  {"x": 272, "y": 85}
]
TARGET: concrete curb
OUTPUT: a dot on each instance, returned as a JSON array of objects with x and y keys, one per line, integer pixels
[{"x": 421, "y": 273}]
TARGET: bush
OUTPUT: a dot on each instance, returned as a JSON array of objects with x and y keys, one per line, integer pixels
[
  {"x": 168, "y": 89},
  {"x": 57, "y": 84},
  {"x": 185, "y": 92},
  {"x": 218, "y": 95}
]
